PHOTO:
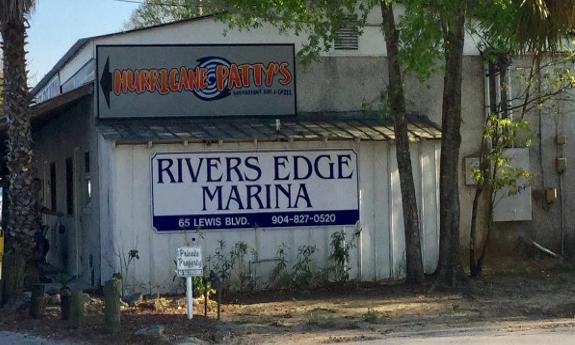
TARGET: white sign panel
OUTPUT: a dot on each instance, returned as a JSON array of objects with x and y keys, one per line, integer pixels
[
  {"x": 231, "y": 190},
  {"x": 189, "y": 262}
]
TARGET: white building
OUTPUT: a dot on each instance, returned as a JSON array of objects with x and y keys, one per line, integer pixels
[{"x": 115, "y": 105}]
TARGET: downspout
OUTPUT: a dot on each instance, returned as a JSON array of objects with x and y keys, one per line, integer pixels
[
  {"x": 560, "y": 166},
  {"x": 486, "y": 72}
]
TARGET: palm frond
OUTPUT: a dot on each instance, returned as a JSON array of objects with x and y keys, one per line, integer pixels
[
  {"x": 543, "y": 24},
  {"x": 12, "y": 9}
]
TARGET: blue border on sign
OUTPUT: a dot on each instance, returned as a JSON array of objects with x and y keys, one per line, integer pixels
[{"x": 343, "y": 217}]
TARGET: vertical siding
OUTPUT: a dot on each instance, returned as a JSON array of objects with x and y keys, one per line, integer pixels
[
  {"x": 396, "y": 213},
  {"x": 379, "y": 255},
  {"x": 367, "y": 210},
  {"x": 429, "y": 207},
  {"x": 381, "y": 190}
]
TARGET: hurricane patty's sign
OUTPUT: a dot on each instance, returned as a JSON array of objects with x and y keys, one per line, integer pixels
[
  {"x": 219, "y": 190},
  {"x": 195, "y": 80}
]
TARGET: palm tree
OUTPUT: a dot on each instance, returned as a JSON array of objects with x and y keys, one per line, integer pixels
[
  {"x": 16, "y": 106},
  {"x": 543, "y": 25}
]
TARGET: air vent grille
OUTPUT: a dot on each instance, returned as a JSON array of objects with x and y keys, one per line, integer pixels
[{"x": 347, "y": 38}]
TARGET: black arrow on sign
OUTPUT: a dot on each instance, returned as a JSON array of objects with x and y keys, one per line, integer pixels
[{"x": 106, "y": 81}]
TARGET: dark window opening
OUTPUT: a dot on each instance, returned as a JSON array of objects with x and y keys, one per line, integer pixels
[
  {"x": 70, "y": 186},
  {"x": 53, "y": 191},
  {"x": 86, "y": 162}
]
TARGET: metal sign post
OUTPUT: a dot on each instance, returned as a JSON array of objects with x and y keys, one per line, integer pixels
[
  {"x": 188, "y": 265},
  {"x": 1, "y": 250},
  {"x": 190, "y": 297}
]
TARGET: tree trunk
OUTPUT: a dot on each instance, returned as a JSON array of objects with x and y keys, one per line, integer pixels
[
  {"x": 415, "y": 273},
  {"x": 474, "y": 267},
  {"x": 112, "y": 306},
  {"x": 14, "y": 274},
  {"x": 450, "y": 269},
  {"x": 21, "y": 222}
]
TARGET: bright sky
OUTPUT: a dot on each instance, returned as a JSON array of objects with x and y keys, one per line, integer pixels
[{"x": 56, "y": 25}]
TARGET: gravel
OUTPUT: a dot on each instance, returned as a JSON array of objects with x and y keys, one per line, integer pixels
[{"x": 11, "y": 338}]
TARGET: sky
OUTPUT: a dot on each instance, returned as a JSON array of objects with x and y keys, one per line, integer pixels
[{"x": 55, "y": 25}]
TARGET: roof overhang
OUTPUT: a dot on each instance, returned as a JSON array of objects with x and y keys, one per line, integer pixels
[
  {"x": 356, "y": 126},
  {"x": 45, "y": 111}
]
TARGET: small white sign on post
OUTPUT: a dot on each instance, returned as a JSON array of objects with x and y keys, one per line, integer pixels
[{"x": 189, "y": 264}]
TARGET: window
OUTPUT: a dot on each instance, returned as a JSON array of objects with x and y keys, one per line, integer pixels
[
  {"x": 53, "y": 190},
  {"x": 87, "y": 179},
  {"x": 69, "y": 186}
]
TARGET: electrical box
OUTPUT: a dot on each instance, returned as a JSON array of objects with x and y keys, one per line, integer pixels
[
  {"x": 560, "y": 140},
  {"x": 550, "y": 195},
  {"x": 516, "y": 207},
  {"x": 561, "y": 164}
]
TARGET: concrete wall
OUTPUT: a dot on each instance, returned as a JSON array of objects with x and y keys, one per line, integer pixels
[
  {"x": 546, "y": 122},
  {"x": 69, "y": 135},
  {"x": 379, "y": 255}
]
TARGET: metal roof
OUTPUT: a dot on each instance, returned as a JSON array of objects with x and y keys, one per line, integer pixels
[
  {"x": 83, "y": 41},
  {"x": 308, "y": 127}
]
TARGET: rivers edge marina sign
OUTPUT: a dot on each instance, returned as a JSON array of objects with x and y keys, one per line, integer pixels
[{"x": 247, "y": 189}]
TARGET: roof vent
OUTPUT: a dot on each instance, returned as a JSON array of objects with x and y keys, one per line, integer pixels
[{"x": 347, "y": 37}]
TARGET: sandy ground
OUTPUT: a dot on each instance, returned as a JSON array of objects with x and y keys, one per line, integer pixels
[{"x": 521, "y": 296}]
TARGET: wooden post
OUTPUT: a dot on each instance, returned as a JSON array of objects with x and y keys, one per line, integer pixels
[
  {"x": 112, "y": 305},
  {"x": 1, "y": 292},
  {"x": 37, "y": 302},
  {"x": 65, "y": 302},
  {"x": 77, "y": 307}
]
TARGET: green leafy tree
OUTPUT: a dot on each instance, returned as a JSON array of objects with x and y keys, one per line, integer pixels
[
  {"x": 154, "y": 12},
  {"x": 506, "y": 28},
  {"x": 433, "y": 34},
  {"x": 494, "y": 173},
  {"x": 21, "y": 197},
  {"x": 321, "y": 23}
]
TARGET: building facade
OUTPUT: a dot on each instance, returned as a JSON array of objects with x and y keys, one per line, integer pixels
[{"x": 123, "y": 120}]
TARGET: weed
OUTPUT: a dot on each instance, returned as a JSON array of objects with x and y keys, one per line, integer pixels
[
  {"x": 126, "y": 260},
  {"x": 280, "y": 276},
  {"x": 340, "y": 253},
  {"x": 371, "y": 316},
  {"x": 253, "y": 275},
  {"x": 314, "y": 320},
  {"x": 303, "y": 276}
]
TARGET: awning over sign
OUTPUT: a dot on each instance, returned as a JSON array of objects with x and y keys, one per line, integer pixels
[{"x": 303, "y": 127}]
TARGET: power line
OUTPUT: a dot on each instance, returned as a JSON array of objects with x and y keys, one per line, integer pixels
[
  {"x": 161, "y": 3},
  {"x": 206, "y": 7}
]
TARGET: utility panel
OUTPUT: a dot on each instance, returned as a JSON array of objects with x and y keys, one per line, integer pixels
[{"x": 517, "y": 207}]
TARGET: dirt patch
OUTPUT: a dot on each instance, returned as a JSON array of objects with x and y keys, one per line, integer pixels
[{"x": 536, "y": 292}]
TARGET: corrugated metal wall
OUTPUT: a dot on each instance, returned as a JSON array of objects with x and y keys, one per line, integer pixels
[{"x": 379, "y": 255}]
